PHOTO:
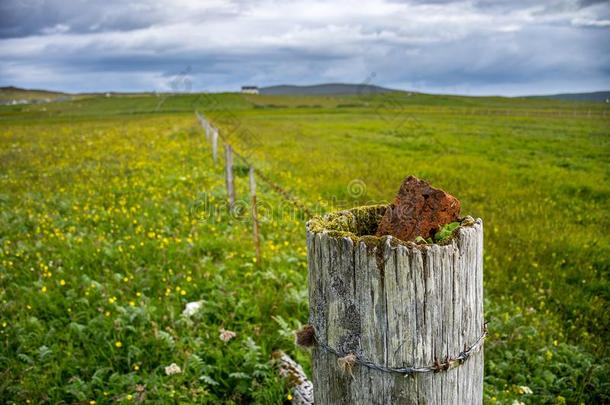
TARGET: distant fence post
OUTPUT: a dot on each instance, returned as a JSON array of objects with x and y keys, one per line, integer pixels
[
  {"x": 229, "y": 176},
  {"x": 394, "y": 322},
  {"x": 215, "y": 144},
  {"x": 204, "y": 124},
  {"x": 255, "y": 232}
]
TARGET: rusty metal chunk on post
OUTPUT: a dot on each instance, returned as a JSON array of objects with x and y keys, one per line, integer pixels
[{"x": 394, "y": 322}]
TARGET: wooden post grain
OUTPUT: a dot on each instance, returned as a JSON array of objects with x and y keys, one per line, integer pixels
[
  {"x": 255, "y": 234},
  {"x": 395, "y": 305},
  {"x": 229, "y": 176}
]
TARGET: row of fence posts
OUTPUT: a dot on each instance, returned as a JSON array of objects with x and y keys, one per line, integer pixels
[{"x": 211, "y": 134}]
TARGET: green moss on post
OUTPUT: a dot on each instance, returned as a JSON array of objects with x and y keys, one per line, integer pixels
[
  {"x": 360, "y": 225},
  {"x": 353, "y": 224}
]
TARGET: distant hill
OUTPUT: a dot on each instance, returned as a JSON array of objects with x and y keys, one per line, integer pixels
[
  {"x": 594, "y": 96},
  {"x": 17, "y": 95},
  {"x": 18, "y": 90},
  {"x": 325, "y": 89}
]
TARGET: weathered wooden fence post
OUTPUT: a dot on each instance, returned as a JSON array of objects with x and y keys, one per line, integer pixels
[
  {"x": 229, "y": 176},
  {"x": 215, "y": 144},
  {"x": 394, "y": 322},
  {"x": 206, "y": 128},
  {"x": 255, "y": 233}
]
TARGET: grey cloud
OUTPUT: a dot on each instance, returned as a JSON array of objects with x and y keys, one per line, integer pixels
[
  {"x": 31, "y": 17},
  {"x": 587, "y": 3},
  {"x": 19, "y": 18},
  {"x": 472, "y": 46}
]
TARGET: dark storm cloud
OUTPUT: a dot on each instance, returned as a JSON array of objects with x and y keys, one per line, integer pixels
[
  {"x": 30, "y": 17},
  {"x": 477, "y": 46},
  {"x": 587, "y": 3},
  {"x": 33, "y": 17}
]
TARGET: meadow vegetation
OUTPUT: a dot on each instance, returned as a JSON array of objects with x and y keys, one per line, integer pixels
[{"x": 113, "y": 217}]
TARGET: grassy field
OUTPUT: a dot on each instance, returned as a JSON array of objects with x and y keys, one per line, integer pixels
[{"x": 112, "y": 218}]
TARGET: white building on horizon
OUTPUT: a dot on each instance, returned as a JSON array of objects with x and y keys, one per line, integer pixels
[{"x": 249, "y": 89}]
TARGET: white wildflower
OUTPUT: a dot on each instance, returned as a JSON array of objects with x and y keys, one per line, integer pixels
[
  {"x": 173, "y": 369},
  {"x": 226, "y": 335},
  {"x": 525, "y": 390},
  {"x": 192, "y": 308}
]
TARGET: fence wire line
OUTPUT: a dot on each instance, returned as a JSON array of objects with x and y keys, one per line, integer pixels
[
  {"x": 286, "y": 195},
  {"x": 438, "y": 366}
]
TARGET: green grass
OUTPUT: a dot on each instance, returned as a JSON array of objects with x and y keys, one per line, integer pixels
[{"x": 112, "y": 218}]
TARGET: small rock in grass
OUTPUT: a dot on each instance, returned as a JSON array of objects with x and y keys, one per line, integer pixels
[{"x": 418, "y": 210}]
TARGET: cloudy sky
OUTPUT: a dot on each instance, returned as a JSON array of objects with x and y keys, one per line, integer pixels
[{"x": 507, "y": 47}]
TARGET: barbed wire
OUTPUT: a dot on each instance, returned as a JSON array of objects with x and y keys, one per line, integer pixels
[{"x": 438, "y": 366}]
